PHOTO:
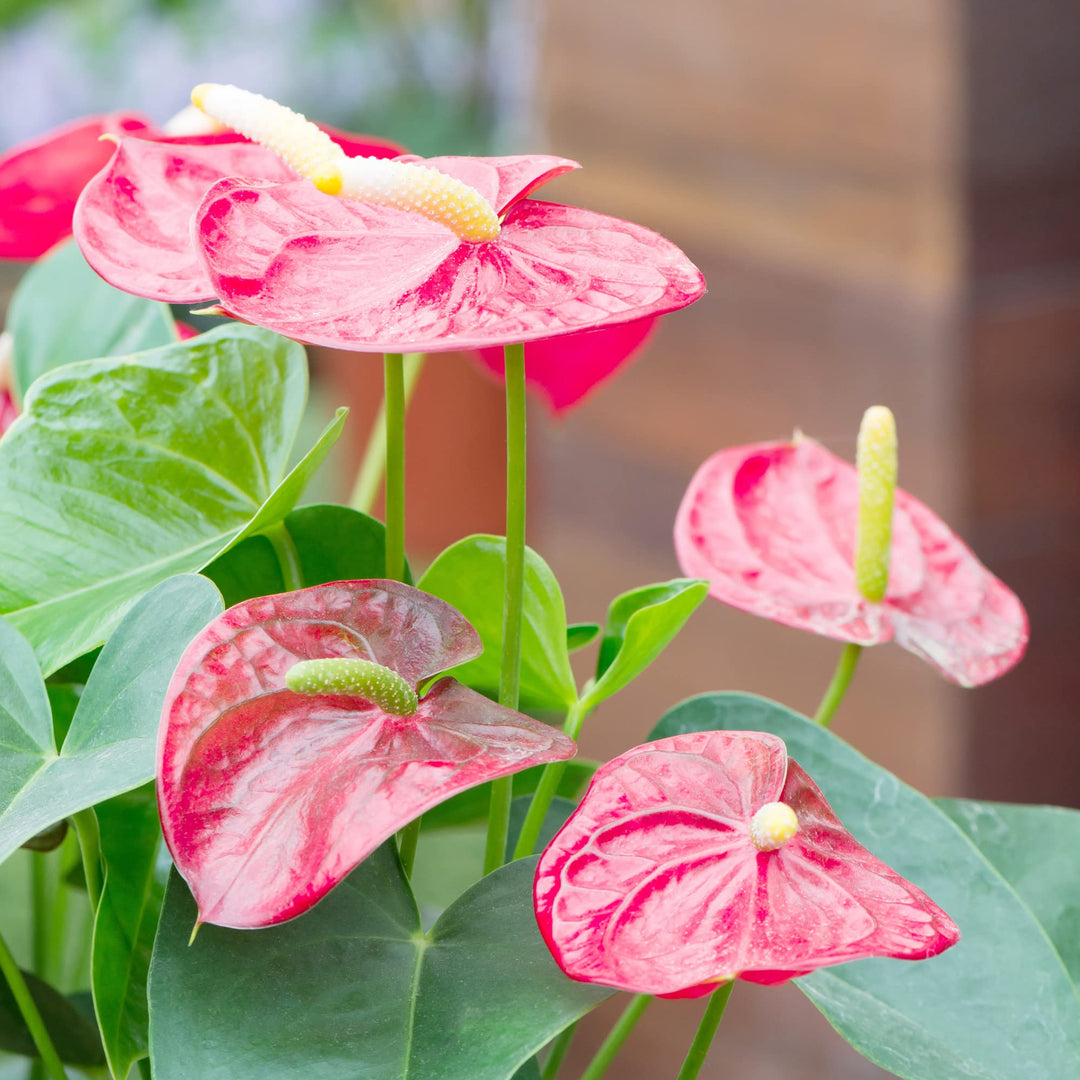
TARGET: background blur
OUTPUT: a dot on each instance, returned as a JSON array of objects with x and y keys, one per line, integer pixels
[{"x": 883, "y": 195}]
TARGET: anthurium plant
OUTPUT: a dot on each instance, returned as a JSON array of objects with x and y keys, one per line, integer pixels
[{"x": 240, "y": 734}]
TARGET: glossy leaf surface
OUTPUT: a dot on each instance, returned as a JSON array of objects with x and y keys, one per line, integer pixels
[
  {"x": 655, "y": 886},
  {"x": 110, "y": 747},
  {"x": 469, "y": 576},
  {"x": 376, "y": 279},
  {"x": 955, "y": 1015},
  {"x": 565, "y": 370},
  {"x": 254, "y": 777},
  {"x": 772, "y": 527},
  {"x": 73, "y": 1033},
  {"x": 63, "y": 312},
  {"x": 1034, "y": 849},
  {"x": 640, "y": 625},
  {"x": 333, "y": 543},
  {"x": 126, "y": 923},
  {"x": 123, "y": 472},
  {"x": 356, "y": 989}
]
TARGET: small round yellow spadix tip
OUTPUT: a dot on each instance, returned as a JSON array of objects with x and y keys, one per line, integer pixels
[
  {"x": 876, "y": 461},
  {"x": 198, "y": 95},
  {"x": 773, "y": 826},
  {"x": 327, "y": 178}
]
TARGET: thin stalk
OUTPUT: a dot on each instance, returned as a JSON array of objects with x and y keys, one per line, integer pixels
[
  {"x": 41, "y": 864},
  {"x": 546, "y": 789},
  {"x": 394, "y": 401},
  {"x": 407, "y": 841},
  {"x": 68, "y": 857},
  {"x": 558, "y": 1051},
  {"x": 287, "y": 556},
  {"x": 373, "y": 464},
  {"x": 30, "y": 1014},
  {"x": 616, "y": 1037},
  {"x": 695, "y": 1058},
  {"x": 86, "y": 827},
  {"x": 502, "y": 790},
  {"x": 845, "y": 669}
]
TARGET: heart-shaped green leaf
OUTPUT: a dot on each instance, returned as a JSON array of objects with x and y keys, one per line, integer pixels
[
  {"x": 997, "y": 1006},
  {"x": 578, "y": 635},
  {"x": 63, "y": 312},
  {"x": 123, "y": 472},
  {"x": 1036, "y": 849},
  {"x": 111, "y": 745},
  {"x": 639, "y": 626},
  {"x": 333, "y": 543},
  {"x": 73, "y": 1033},
  {"x": 469, "y": 576},
  {"x": 126, "y": 922},
  {"x": 355, "y": 988}
]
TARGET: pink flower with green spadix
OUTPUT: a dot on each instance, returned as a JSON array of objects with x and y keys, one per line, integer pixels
[
  {"x": 293, "y": 741},
  {"x": 789, "y": 531},
  {"x": 707, "y": 857}
]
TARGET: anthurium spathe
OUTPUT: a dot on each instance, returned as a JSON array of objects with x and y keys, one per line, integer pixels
[
  {"x": 773, "y": 528},
  {"x": 270, "y": 795},
  {"x": 705, "y": 857},
  {"x": 423, "y": 256}
]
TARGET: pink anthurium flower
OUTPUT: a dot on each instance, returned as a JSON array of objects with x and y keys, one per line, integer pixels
[
  {"x": 400, "y": 260},
  {"x": 772, "y": 526},
  {"x": 707, "y": 857},
  {"x": 272, "y": 786},
  {"x": 565, "y": 370}
]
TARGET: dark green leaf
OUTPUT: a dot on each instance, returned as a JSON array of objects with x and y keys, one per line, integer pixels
[
  {"x": 555, "y": 818},
  {"x": 470, "y": 576},
  {"x": 640, "y": 624},
  {"x": 333, "y": 543},
  {"x": 126, "y": 923},
  {"x": 1036, "y": 849},
  {"x": 123, "y": 472},
  {"x": 997, "y": 1006},
  {"x": 74, "y": 1035},
  {"x": 529, "y": 1071},
  {"x": 111, "y": 745},
  {"x": 471, "y": 807},
  {"x": 354, "y": 989},
  {"x": 578, "y": 635},
  {"x": 63, "y": 312}
]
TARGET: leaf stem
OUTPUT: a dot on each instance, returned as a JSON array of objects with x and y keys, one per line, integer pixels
[
  {"x": 616, "y": 1037},
  {"x": 407, "y": 841},
  {"x": 559, "y": 1047},
  {"x": 695, "y": 1057},
  {"x": 40, "y": 866},
  {"x": 287, "y": 556},
  {"x": 394, "y": 403},
  {"x": 86, "y": 828},
  {"x": 373, "y": 464},
  {"x": 546, "y": 789},
  {"x": 502, "y": 789},
  {"x": 29, "y": 1011},
  {"x": 845, "y": 669}
]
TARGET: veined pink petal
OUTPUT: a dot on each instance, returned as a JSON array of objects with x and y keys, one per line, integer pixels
[
  {"x": 567, "y": 369},
  {"x": 41, "y": 179},
  {"x": 654, "y": 886},
  {"x": 374, "y": 279},
  {"x": 268, "y": 797},
  {"x": 772, "y": 527}
]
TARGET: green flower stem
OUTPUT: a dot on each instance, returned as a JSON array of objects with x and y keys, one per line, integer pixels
[
  {"x": 287, "y": 555},
  {"x": 30, "y": 1014},
  {"x": 86, "y": 827},
  {"x": 546, "y": 789},
  {"x": 39, "y": 891},
  {"x": 841, "y": 679},
  {"x": 394, "y": 401},
  {"x": 407, "y": 841},
  {"x": 616, "y": 1037},
  {"x": 373, "y": 464},
  {"x": 559, "y": 1048},
  {"x": 695, "y": 1058},
  {"x": 69, "y": 856},
  {"x": 502, "y": 790}
]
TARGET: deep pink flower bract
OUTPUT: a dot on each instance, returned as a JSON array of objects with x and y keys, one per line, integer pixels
[
  {"x": 772, "y": 527},
  {"x": 654, "y": 885},
  {"x": 268, "y": 797}
]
